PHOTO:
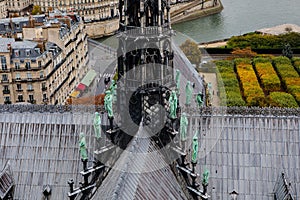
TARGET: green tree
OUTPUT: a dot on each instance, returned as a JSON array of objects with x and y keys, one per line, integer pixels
[
  {"x": 287, "y": 51},
  {"x": 36, "y": 10},
  {"x": 192, "y": 52}
]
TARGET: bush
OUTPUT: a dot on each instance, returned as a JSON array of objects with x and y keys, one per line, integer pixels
[
  {"x": 282, "y": 99},
  {"x": 230, "y": 94},
  {"x": 259, "y": 41},
  {"x": 296, "y": 63},
  {"x": 267, "y": 75},
  {"x": 251, "y": 89}
]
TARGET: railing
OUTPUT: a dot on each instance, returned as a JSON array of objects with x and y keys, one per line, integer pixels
[
  {"x": 282, "y": 190},
  {"x": 146, "y": 31}
]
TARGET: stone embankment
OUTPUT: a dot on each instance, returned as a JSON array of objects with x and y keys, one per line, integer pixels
[
  {"x": 194, "y": 10},
  {"x": 180, "y": 12}
]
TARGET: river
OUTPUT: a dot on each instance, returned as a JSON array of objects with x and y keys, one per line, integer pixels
[
  {"x": 241, "y": 16},
  {"x": 238, "y": 17}
]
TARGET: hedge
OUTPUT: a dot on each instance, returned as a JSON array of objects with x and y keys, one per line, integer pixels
[
  {"x": 296, "y": 63},
  {"x": 230, "y": 94},
  {"x": 251, "y": 89},
  {"x": 268, "y": 77},
  {"x": 282, "y": 99}
]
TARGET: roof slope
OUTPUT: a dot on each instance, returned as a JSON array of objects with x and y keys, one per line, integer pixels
[
  {"x": 140, "y": 173},
  {"x": 42, "y": 149}
]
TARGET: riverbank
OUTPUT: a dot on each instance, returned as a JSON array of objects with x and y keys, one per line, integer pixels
[{"x": 195, "y": 10}]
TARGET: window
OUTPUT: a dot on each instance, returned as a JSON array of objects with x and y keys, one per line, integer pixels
[
  {"x": 44, "y": 97},
  {"x": 27, "y": 52},
  {"x": 17, "y": 26},
  {"x": 27, "y": 65},
  {"x": 18, "y": 77},
  {"x": 4, "y": 77},
  {"x": 19, "y": 87},
  {"x": 20, "y": 98},
  {"x": 31, "y": 97},
  {"x": 17, "y": 53},
  {"x": 5, "y": 87},
  {"x": 7, "y": 99},
  {"x": 29, "y": 87},
  {"x": 17, "y": 65},
  {"x": 3, "y": 63},
  {"x": 39, "y": 64},
  {"x": 41, "y": 74},
  {"x": 29, "y": 76}
]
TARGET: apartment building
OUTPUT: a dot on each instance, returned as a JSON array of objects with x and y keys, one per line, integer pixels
[
  {"x": 19, "y": 7},
  {"x": 3, "y": 9},
  {"x": 89, "y": 10},
  {"x": 46, "y": 66}
]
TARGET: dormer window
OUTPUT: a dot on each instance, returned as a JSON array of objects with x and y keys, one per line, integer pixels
[
  {"x": 27, "y": 52},
  {"x": 17, "y": 53},
  {"x": 37, "y": 50}
]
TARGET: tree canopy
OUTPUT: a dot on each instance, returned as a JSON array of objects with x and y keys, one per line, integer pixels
[{"x": 192, "y": 52}]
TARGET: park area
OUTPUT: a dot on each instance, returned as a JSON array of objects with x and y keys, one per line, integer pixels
[{"x": 259, "y": 81}]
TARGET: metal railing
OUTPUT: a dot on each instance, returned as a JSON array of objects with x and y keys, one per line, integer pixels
[{"x": 282, "y": 190}]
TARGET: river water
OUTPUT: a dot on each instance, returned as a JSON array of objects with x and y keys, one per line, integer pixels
[
  {"x": 241, "y": 16},
  {"x": 238, "y": 17}
]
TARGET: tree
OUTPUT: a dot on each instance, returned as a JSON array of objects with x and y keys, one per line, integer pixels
[
  {"x": 243, "y": 53},
  {"x": 192, "y": 52},
  {"x": 36, "y": 10},
  {"x": 287, "y": 51}
]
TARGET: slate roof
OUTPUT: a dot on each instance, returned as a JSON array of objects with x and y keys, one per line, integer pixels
[
  {"x": 42, "y": 149},
  {"x": 249, "y": 154},
  {"x": 141, "y": 172},
  {"x": 244, "y": 153}
]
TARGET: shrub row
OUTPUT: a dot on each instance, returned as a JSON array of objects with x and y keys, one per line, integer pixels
[
  {"x": 228, "y": 84},
  {"x": 296, "y": 62},
  {"x": 289, "y": 76},
  {"x": 282, "y": 99},
  {"x": 267, "y": 75},
  {"x": 251, "y": 89},
  {"x": 259, "y": 41}
]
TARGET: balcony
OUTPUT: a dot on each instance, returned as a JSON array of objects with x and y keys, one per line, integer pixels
[
  {"x": 30, "y": 89},
  {"x": 7, "y": 102},
  {"x": 19, "y": 90},
  {"x": 32, "y": 101},
  {"x": 4, "y": 81},
  {"x": 6, "y": 91}
]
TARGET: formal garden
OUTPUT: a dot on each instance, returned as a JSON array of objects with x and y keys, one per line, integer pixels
[{"x": 261, "y": 81}]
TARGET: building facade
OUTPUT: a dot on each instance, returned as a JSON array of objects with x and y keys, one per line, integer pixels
[
  {"x": 3, "y": 9},
  {"x": 90, "y": 10},
  {"x": 19, "y": 7},
  {"x": 47, "y": 65}
]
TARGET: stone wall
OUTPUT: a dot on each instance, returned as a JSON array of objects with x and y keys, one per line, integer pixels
[{"x": 100, "y": 29}]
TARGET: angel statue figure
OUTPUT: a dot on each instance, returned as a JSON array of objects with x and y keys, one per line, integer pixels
[
  {"x": 195, "y": 148},
  {"x": 188, "y": 93},
  {"x": 173, "y": 105},
  {"x": 97, "y": 125},
  {"x": 108, "y": 100},
  {"x": 183, "y": 127},
  {"x": 82, "y": 146}
]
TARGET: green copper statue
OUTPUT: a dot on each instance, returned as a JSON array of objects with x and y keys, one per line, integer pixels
[
  {"x": 82, "y": 146},
  {"x": 199, "y": 99},
  {"x": 205, "y": 177},
  {"x": 177, "y": 78},
  {"x": 97, "y": 125},
  {"x": 113, "y": 90},
  {"x": 173, "y": 105},
  {"x": 108, "y": 100},
  {"x": 195, "y": 148},
  {"x": 188, "y": 93},
  {"x": 183, "y": 126}
]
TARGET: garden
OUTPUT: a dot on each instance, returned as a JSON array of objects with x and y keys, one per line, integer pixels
[{"x": 259, "y": 81}]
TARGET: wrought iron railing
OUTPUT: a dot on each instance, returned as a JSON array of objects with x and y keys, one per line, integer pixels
[{"x": 282, "y": 190}]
